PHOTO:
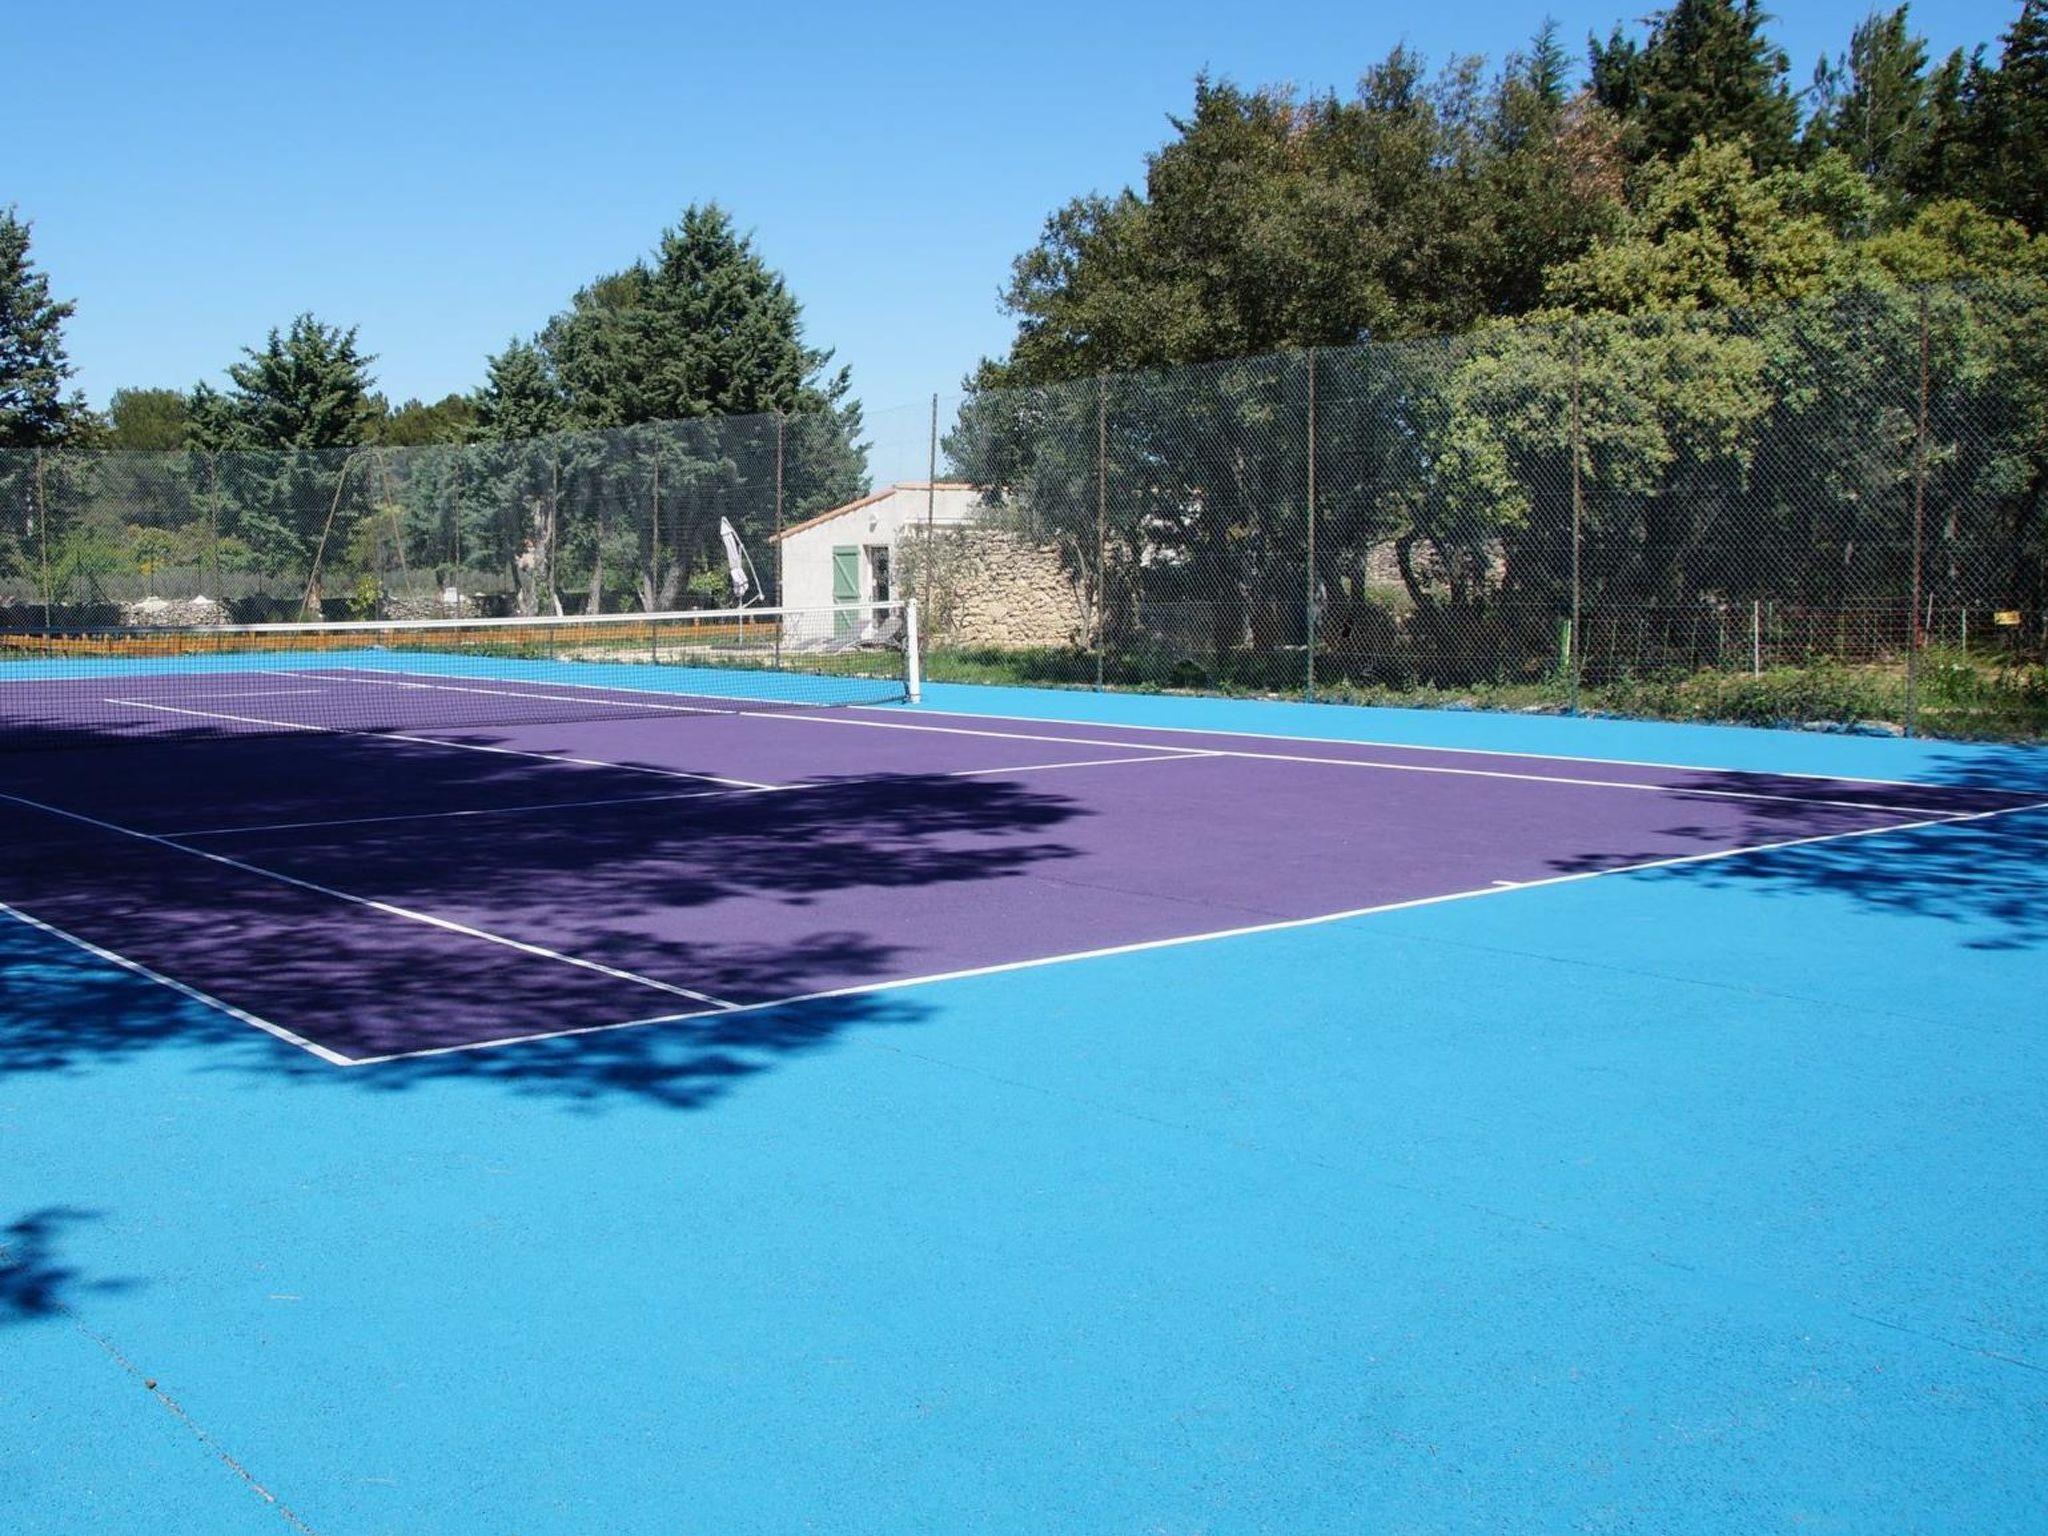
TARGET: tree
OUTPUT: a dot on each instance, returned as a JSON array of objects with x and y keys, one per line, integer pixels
[
  {"x": 1270, "y": 220},
  {"x": 308, "y": 387},
  {"x": 702, "y": 328},
  {"x": 2012, "y": 176},
  {"x": 1871, "y": 103},
  {"x": 520, "y": 397},
  {"x": 684, "y": 383},
  {"x": 148, "y": 420},
  {"x": 414, "y": 424},
  {"x": 1706, "y": 70},
  {"x": 1709, "y": 233},
  {"x": 289, "y": 490},
  {"x": 34, "y": 410}
]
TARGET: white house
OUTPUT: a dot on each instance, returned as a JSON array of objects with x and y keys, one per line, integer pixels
[
  {"x": 850, "y": 554},
  {"x": 983, "y": 582}
]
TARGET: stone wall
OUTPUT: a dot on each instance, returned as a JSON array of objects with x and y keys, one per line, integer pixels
[
  {"x": 431, "y": 605},
  {"x": 173, "y": 613},
  {"x": 992, "y": 587}
]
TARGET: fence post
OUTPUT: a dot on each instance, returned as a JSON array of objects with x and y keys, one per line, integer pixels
[
  {"x": 931, "y": 505},
  {"x": 554, "y": 516},
  {"x": 1572, "y": 636},
  {"x": 1919, "y": 531},
  {"x": 1756, "y": 637},
  {"x": 455, "y": 544},
  {"x": 779, "y": 421},
  {"x": 1101, "y": 516},
  {"x": 1310, "y": 573},
  {"x": 210, "y": 576},
  {"x": 43, "y": 534}
]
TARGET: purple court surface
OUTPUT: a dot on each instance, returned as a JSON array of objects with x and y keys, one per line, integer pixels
[{"x": 448, "y": 880}]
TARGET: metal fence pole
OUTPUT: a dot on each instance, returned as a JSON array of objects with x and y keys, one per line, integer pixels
[
  {"x": 1919, "y": 537},
  {"x": 1309, "y": 574},
  {"x": 1573, "y": 638},
  {"x": 779, "y": 425},
  {"x": 211, "y": 575},
  {"x": 554, "y": 514},
  {"x": 1101, "y": 516},
  {"x": 1756, "y": 637},
  {"x": 455, "y": 538},
  {"x": 43, "y": 534},
  {"x": 931, "y": 505}
]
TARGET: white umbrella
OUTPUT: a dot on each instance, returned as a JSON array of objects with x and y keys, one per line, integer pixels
[{"x": 736, "y": 562}]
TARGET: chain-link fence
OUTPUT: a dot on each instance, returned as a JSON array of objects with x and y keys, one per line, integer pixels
[
  {"x": 1830, "y": 512},
  {"x": 586, "y": 522},
  {"x": 1827, "y": 512}
]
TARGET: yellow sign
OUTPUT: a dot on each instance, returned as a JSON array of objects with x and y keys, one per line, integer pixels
[{"x": 2007, "y": 618}]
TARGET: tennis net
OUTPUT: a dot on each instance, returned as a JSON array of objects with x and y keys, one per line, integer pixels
[{"x": 93, "y": 687}]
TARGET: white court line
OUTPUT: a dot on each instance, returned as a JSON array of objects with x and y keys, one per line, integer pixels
[
  {"x": 483, "y": 810},
  {"x": 1166, "y": 755},
  {"x": 332, "y": 1058},
  {"x": 245, "y": 693},
  {"x": 841, "y": 719},
  {"x": 411, "y": 914},
  {"x": 701, "y": 794},
  {"x": 869, "y": 988},
  {"x": 1215, "y": 730},
  {"x": 435, "y": 741},
  {"x": 1411, "y": 746},
  {"x": 391, "y": 677}
]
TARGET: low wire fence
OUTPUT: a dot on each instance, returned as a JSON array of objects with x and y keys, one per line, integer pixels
[{"x": 1831, "y": 511}]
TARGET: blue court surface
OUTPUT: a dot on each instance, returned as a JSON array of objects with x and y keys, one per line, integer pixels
[{"x": 1703, "y": 1192}]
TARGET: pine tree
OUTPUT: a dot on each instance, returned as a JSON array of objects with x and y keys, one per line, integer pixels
[
  {"x": 308, "y": 387},
  {"x": 1706, "y": 70},
  {"x": 1871, "y": 103},
  {"x": 34, "y": 410},
  {"x": 1950, "y": 161},
  {"x": 702, "y": 328},
  {"x": 2013, "y": 176},
  {"x": 520, "y": 397},
  {"x": 701, "y": 332}
]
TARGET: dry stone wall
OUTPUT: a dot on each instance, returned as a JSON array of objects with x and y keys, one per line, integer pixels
[{"x": 993, "y": 587}]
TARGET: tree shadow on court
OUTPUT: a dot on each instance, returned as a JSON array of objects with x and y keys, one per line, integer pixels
[
  {"x": 35, "y": 1281},
  {"x": 1988, "y": 877},
  {"x": 743, "y": 898}
]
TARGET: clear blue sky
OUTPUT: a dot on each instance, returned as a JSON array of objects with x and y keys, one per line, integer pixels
[{"x": 444, "y": 176}]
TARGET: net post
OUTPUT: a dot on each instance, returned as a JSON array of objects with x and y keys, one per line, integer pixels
[{"x": 913, "y": 664}]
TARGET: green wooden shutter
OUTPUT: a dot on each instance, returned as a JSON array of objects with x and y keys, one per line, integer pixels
[{"x": 845, "y": 585}]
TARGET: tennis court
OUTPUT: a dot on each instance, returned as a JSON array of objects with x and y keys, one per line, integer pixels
[
  {"x": 1263, "y": 1097},
  {"x": 425, "y": 850}
]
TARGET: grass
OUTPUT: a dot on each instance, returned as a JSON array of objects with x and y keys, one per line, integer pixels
[{"x": 1962, "y": 695}]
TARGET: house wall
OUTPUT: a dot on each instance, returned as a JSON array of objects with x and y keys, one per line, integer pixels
[{"x": 806, "y": 554}]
